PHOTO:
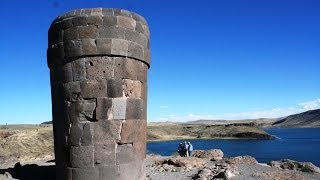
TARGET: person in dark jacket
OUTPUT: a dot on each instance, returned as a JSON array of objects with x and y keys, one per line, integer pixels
[{"x": 181, "y": 150}]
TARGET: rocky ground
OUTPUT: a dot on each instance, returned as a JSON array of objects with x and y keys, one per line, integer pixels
[{"x": 203, "y": 165}]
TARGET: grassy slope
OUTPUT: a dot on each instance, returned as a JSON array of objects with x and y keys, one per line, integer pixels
[
  {"x": 164, "y": 131},
  {"x": 25, "y": 143}
]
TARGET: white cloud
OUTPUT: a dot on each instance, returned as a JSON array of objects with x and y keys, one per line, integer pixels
[
  {"x": 310, "y": 105},
  {"x": 262, "y": 113}
]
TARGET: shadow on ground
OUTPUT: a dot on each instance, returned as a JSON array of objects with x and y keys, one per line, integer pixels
[{"x": 31, "y": 172}]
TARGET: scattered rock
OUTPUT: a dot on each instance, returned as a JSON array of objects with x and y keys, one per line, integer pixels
[
  {"x": 278, "y": 175},
  {"x": 242, "y": 160},
  {"x": 177, "y": 164},
  {"x": 213, "y": 154},
  {"x": 295, "y": 165},
  {"x": 216, "y": 171}
]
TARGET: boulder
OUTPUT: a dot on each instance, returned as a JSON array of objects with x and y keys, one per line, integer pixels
[
  {"x": 216, "y": 171},
  {"x": 213, "y": 154},
  {"x": 242, "y": 160},
  {"x": 177, "y": 164}
]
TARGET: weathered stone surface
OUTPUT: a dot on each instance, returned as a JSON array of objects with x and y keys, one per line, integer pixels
[
  {"x": 105, "y": 154},
  {"x": 139, "y": 18},
  {"x": 139, "y": 27},
  {"x": 119, "y": 47},
  {"x": 125, "y": 154},
  {"x": 139, "y": 147},
  {"x": 94, "y": 20},
  {"x": 85, "y": 174},
  {"x": 76, "y": 131},
  {"x": 104, "y": 45},
  {"x": 66, "y": 23},
  {"x": 88, "y": 32},
  {"x": 119, "y": 106},
  {"x": 82, "y": 110},
  {"x": 67, "y": 72},
  {"x": 109, "y": 172},
  {"x": 135, "y": 109},
  {"x": 107, "y": 12},
  {"x": 89, "y": 46},
  {"x": 144, "y": 95},
  {"x": 93, "y": 88},
  {"x": 99, "y": 67},
  {"x": 96, "y": 12},
  {"x": 71, "y": 34},
  {"x": 81, "y": 156},
  {"x": 72, "y": 91},
  {"x": 125, "y": 68},
  {"x": 133, "y": 131},
  {"x": 131, "y": 88},
  {"x": 142, "y": 72},
  {"x": 114, "y": 32},
  {"x": 79, "y": 21},
  {"x": 78, "y": 69},
  {"x": 103, "y": 110},
  {"x": 136, "y": 37},
  {"x": 126, "y": 22},
  {"x": 107, "y": 132},
  {"x": 135, "y": 50},
  {"x": 109, "y": 21},
  {"x": 115, "y": 88},
  {"x": 72, "y": 48},
  {"x": 87, "y": 134},
  {"x": 133, "y": 171}
]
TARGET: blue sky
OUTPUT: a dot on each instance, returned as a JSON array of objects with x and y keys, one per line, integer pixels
[{"x": 216, "y": 59}]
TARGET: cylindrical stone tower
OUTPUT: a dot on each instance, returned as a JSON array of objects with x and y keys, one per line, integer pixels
[{"x": 98, "y": 60}]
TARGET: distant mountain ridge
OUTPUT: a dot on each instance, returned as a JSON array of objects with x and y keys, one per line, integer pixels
[{"x": 308, "y": 119}]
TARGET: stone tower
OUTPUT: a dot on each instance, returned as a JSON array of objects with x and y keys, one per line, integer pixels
[{"x": 98, "y": 60}]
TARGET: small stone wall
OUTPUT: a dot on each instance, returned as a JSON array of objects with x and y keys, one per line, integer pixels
[{"x": 98, "y": 60}]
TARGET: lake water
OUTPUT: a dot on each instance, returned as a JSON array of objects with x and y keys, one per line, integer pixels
[{"x": 297, "y": 144}]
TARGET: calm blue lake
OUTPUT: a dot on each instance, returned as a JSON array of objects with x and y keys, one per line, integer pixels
[{"x": 296, "y": 144}]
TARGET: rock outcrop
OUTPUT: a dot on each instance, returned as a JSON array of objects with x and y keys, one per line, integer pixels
[
  {"x": 216, "y": 171},
  {"x": 213, "y": 154},
  {"x": 288, "y": 164},
  {"x": 177, "y": 164},
  {"x": 242, "y": 160}
]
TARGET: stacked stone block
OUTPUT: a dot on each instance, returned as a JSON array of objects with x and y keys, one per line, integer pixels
[{"x": 98, "y": 60}]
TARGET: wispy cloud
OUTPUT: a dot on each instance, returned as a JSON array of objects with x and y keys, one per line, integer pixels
[
  {"x": 264, "y": 113},
  {"x": 164, "y": 107}
]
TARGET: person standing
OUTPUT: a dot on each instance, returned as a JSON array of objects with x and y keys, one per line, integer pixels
[
  {"x": 181, "y": 150},
  {"x": 186, "y": 147},
  {"x": 190, "y": 149}
]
